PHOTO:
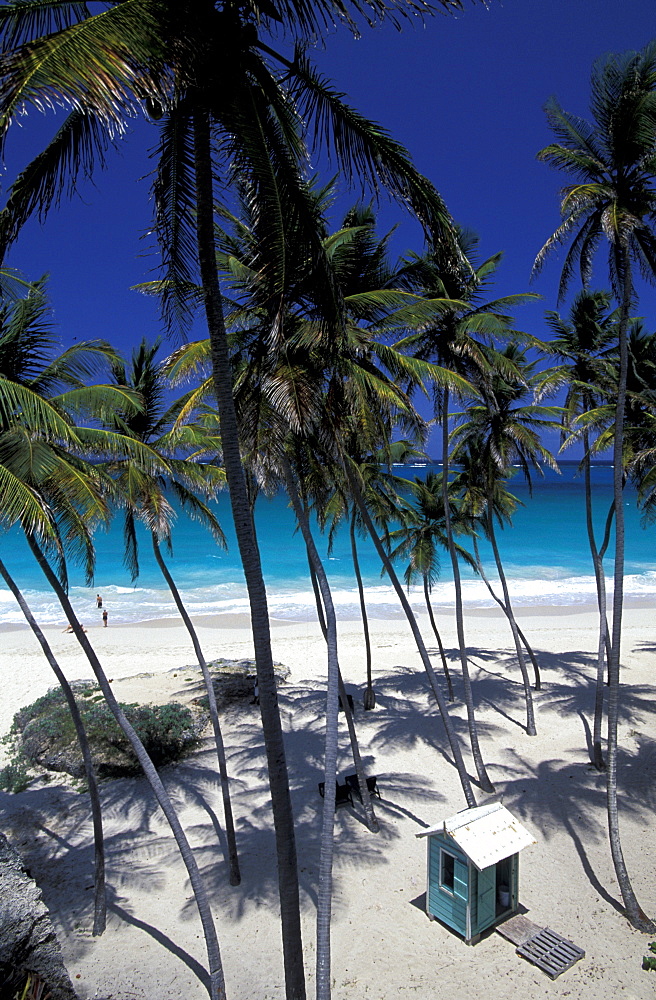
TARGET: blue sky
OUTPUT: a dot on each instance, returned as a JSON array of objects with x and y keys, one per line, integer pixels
[{"x": 464, "y": 94}]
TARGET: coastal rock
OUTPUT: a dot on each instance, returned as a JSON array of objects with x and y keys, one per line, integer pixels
[
  {"x": 43, "y": 734},
  {"x": 27, "y": 938},
  {"x": 233, "y": 680}
]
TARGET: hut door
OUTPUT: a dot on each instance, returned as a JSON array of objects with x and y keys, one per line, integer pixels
[{"x": 487, "y": 895}]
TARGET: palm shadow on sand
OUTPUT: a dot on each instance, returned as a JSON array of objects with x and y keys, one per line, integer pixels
[{"x": 553, "y": 794}]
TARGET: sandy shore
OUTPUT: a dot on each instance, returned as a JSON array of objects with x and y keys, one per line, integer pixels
[{"x": 384, "y": 946}]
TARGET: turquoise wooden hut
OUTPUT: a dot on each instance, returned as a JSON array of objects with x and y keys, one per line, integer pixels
[{"x": 473, "y": 868}]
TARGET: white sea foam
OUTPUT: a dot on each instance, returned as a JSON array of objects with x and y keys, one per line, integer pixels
[{"x": 126, "y": 604}]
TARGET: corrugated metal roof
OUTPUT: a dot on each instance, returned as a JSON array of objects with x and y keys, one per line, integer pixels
[{"x": 487, "y": 834}]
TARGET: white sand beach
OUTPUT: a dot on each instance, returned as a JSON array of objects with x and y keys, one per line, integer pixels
[{"x": 383, "y": 944}]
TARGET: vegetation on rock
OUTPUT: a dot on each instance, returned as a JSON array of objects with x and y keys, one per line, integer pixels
[{"x": 42, "y": 735}]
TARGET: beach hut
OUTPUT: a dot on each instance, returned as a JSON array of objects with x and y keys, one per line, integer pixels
[{"x": 473, "y": 868}]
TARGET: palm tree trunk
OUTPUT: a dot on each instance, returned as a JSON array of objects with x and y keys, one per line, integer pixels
[
  {"x": 479, "y": 763},
  {"x": 216, "y": 987},
  {"x": 365, "y": 794},
  {"x": 235, "y": 876},
  {"x": 495, "y": 597},
  {"x": 431, "y": 618},
  {"x": 100, "y": 900},
  {"x": 633, "y": 909},
  {"x": 530, "y": 715},
  {"x": 324, "y": 902},
  {"x": 414, "y": 627},
  {"x": 250, "y": 557},
  {"x": 317, "y": 600},
  {"x": 597, "y": 754},
  {"x": 369, "y": 700},
  {"x": 602, "y": 554}
]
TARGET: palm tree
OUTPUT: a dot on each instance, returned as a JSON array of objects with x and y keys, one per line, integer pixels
[
  {"x": 581, "y": 344},
  {"x": 58, "y": 497},
  {"x": 455, "y": 340},
  {"x": 495, "y": 434},
  {"x": 612, "y": 161},
  {"x": 74, "y": 493},
  {"x": 144, "y": 497},
  {"x": 100, "y": 901},
  {"x": 419, "y": 536},
  {"x": 32, "y": 407}
]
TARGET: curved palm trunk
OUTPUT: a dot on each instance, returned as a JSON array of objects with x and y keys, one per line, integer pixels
[
  {"x": 324, "y": 902},
  {"x": 365, "y": 794},
  {"x": 431, "y": 617},
  {"x": 421, "y": 647},
  {"x": 317, "y": 600},
  {"x": 600, "y": 581},
  {"x": 216, "y": 980},
  {"x": 369, "y": 700},
  {"x": 602, "y": 554},
  {"x": 283, "y": 818},
  {"x": 530, "y": 715},
  {"x": 235, "y": 876},
  {"x": 495, "y": 597},
  {"x": 633, "y": 909},
  {"x": 100, "y": 901},
  {"x": 479, "y": 763}
]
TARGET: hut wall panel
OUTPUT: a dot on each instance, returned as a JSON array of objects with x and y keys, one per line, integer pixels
[{"x": 451, "y": 908}]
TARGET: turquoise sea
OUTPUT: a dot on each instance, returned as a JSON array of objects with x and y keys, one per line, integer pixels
[{"x": 545, "y": 553}]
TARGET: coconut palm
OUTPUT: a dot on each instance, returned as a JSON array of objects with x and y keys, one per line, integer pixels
[
  {"x": 455, "y": 340},
  {"x": 612, "y": 163},
  {"x": 100, "y": 902},
  {"x": 382, "y": 498},
  {"x": 495, "y": 434},
  {"x": 145, "y": 500},
  {"x": 32, "y": 377},
  {"x": 420, "y": 536},
  {"x": 75, "y": 492},
  {"x": 581, "y": 344},
  {"x": 58, "y": 497}
]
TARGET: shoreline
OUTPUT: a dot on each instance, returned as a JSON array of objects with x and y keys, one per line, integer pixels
[{"x": 231, "y": 620}]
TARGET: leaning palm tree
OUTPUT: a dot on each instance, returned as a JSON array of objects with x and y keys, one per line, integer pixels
[
  {"x": 495, "y": 434},
  {"x": 612, "y": 163},
  {"x": 419, "y": 537},
  {"x": 144, "y": 498},
  {"x": 75, "y": 493},
  {"x": 38, "y": 389},
  {"x": 581, "y": 344},
  {"x": 100, "y": 901},
  {"x": 382, "y": 498},
  {"x": 456, "y": 340}
]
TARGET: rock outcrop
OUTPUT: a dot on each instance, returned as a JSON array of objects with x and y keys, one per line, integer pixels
[{"x": 27, "y": 938}]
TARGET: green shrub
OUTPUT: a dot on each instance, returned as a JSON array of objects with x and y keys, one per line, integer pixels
[
  {"x": 15, "y": 776},
  {"x": 649, "y": 962},
  {"x": 43, "y": 735}
]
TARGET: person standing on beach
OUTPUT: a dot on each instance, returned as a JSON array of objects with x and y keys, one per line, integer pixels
[
  {"x": 98, "y": 601},
  {"x": 104, "y": 617}
]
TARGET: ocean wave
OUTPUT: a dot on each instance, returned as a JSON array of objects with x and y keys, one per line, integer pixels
[{"x": 296, "y": 602}]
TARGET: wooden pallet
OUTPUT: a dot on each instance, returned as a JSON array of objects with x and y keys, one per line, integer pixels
[{"x": 550, "y": 952}]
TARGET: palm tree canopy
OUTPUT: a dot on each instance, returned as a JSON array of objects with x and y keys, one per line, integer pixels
[
  {"x": 169, "y": 60},
  {"x": 612, "y": 161},
  {"x": 505, "y": 428}
]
